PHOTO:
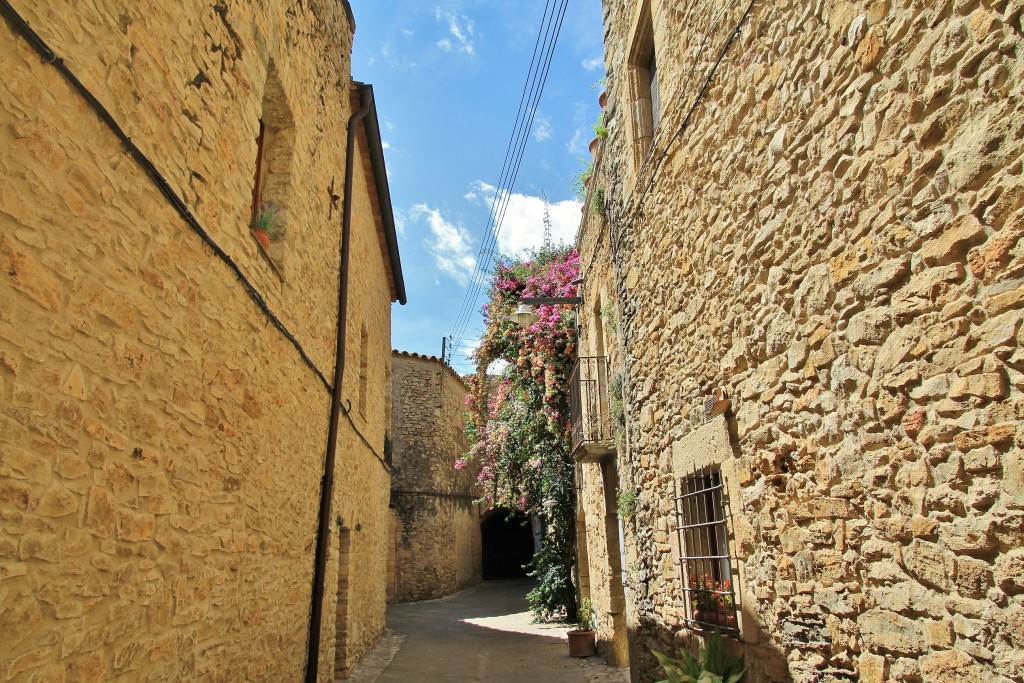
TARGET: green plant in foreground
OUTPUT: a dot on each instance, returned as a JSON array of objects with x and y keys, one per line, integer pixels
[
  {"x": 586, "y": 615},
  {"x": 600, "y": 129},
  {"x": 713, "y": 665},
  {"x": 625, "y": 501}
]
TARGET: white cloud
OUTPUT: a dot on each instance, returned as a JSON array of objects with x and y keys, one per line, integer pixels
[
  {"x": 460, "y": 30},
  {"x": 408, "y": 32},
  {"x": 450, "y": 244},
  {"x": 593, "y": 63},
  {"x": 542, "y": 129},
  {"x": 394, "y": 59},
  {"x": 523, "y": 225},
  {"x": 400, "y": 221},
  {"x": 577, "y": 145}
]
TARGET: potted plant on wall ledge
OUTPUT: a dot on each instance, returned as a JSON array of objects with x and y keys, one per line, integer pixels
[
  {"x": 713, "y": 602},
  {"x": 265, "y": 225},
  {"x": 583, "y": 640}
]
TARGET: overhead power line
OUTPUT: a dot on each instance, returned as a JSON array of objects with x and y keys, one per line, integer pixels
[{"x": 533, "y": 89}]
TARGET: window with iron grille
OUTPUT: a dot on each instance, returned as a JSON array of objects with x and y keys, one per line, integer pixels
[{"x": 708, "y": 587}]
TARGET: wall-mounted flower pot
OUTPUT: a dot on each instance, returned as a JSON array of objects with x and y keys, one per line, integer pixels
[
  {"x": 602, "y": 100},
  {"x": 594, "y": 144},
  {"x": 582, "y": 643},
  {"x": 723, "y": 618},
  {"x": 261, "y": 235}
]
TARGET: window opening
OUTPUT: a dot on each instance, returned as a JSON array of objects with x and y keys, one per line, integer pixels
[
  {"x": 364, "y": 371},
  {"x": 643, "y": 85},
  {"x": 708, "y": 590},
  {"x": 257, "y": 184},
  {"x": 342, "y": 664},
  {"x": 652, "y": 84},
  {"x": 271, "y": 187}
]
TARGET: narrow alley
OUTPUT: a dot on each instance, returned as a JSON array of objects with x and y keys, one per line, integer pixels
[{"x": 480, "y": 634}]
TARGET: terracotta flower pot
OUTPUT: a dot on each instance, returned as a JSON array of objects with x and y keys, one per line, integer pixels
[
  {"x": 723, "y": 618},
  {"x": 602, "y": 100},
  {"x": 582, "y": 643},
  {"x": 262, "y": 236},
  {"x": 594, "y": 144}
]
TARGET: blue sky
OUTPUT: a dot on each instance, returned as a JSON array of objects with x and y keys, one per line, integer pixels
[{"x": 448, "y": 78}]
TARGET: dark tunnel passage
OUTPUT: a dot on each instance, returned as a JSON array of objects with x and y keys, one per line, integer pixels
[{"x": 507, "y": 543}]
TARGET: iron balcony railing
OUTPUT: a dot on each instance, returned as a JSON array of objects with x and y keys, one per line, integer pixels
[{"x": 589, "y": 405}]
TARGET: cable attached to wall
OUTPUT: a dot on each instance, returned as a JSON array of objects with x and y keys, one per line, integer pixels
[
  {"x": 50, "y": 57},
  {"x": 686, "y": 119}
]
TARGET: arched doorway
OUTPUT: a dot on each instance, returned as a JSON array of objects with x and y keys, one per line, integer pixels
[{"x": 507, "y": 544}]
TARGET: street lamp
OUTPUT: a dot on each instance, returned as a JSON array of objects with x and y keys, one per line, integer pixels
[{"x": 524, "y": 315}]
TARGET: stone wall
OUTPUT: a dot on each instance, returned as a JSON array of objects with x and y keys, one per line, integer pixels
[
  {"x": 603, "y": 567},
  {"x": 161, "y": 443},
  {"x": 829, "y": 230},
  {"x": 436, "y": 543}
]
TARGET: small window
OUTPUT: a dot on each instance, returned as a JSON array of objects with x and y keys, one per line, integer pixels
[
  {"x": 644, "y": 92},
  {"x": 364, "y": 370},
  {"x": 708, "y": 587},
  {"x": 652, "y": 86},
  {"x": 271, "y": 186}
]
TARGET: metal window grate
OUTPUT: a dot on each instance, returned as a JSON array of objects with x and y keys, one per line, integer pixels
[
  {"x": 709, "y": 594},
  {"x": 588, "y": 401}
]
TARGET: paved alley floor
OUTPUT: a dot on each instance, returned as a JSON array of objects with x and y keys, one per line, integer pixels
[{"x": 481, "y": 634}]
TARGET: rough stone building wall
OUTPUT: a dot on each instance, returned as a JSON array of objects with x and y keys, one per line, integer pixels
[
  {"x": 161, "y": 443},
  {"x": 832, "y": 233},
  {"x": 603, "y": 567},
  {"x": 436, "y": 543}
]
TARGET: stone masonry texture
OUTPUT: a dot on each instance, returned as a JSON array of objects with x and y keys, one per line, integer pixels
[
  {"x": 436, "y": 521},
  {"x": 830, "y": 231},
  {"x": 161, "y": 443}
]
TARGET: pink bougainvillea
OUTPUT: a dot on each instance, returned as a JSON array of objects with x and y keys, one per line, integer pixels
[
  {"x": 519, "y": 426},
  {"x": 540, "y": 360}
]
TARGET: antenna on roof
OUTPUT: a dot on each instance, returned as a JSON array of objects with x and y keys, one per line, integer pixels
[{"x": 546, "y": 247}]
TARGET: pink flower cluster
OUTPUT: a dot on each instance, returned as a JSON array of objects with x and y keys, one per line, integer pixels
[{"x": 541, "y": 356}]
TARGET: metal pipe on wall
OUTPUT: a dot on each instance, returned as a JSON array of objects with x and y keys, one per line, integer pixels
[{"x": 327, "y": 482}]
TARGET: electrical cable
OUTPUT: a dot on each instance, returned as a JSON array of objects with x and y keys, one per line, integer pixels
[
  {"x": 532, "y": 92},
  {"x": 466, "y": 308},
  {"x": 686, "y": 119},
  {"x": 50, "y": 57}
]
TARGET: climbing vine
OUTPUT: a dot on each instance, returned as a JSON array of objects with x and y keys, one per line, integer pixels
[{"x": 519, "y": 422}]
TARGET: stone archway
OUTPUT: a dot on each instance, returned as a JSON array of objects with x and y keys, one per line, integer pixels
[{"x": 506, "y": 544}]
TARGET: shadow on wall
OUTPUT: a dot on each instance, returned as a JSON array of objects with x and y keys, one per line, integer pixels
[{"x": 507, "y": 544}]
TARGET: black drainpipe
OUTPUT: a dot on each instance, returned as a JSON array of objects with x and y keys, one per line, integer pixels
[{"x": 327, "y": 483}]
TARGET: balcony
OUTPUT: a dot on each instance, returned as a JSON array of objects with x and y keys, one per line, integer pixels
[{"x": 592, "y": 436}]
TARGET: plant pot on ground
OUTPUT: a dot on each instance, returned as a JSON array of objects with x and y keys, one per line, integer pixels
[
  {"x": 583, "y": 640},
  {"x": 582, "y": 643}
]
